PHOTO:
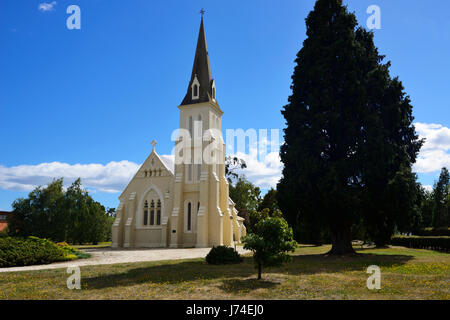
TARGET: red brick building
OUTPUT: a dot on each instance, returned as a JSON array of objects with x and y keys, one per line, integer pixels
[{"x": 4, "y": 215}]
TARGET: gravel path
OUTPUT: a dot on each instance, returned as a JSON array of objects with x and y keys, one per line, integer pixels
[{"x": 111, "y": 256}]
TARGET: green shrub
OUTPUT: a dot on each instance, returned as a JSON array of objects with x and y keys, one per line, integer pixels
[
  {"x": 432, "y": 243},
  {"x": 66, "y": 248},
  {"x": 71, "y": 253},
  {"x": 33, "y": 250},
  {"x": 23, "y": 252},
  {"x": 223, "y": 255},
  {"x": 71, "y": 257}
]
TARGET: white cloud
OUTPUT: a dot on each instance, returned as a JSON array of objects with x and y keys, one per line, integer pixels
[
  {"x": 428, "y": 187},
  {"x": 435, "y": 152},
  {"x": 114, "y": 176},
  {"x": 47, "y": 6},
  {"x": 264, "y": 173},
  {"x": 111, "y": 178},
  {"x": 264, "y": 165}
]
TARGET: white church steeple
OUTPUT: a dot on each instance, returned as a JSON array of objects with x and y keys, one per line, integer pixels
[
  {"x": 201, "y": 78},
  {"x": 189, "y": 206}
]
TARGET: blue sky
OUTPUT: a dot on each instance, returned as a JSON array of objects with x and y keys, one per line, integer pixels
[{"x": 88, "y": 102}]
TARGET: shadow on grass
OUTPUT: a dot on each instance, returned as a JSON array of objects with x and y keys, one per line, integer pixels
[
  {"x": 171, "y": 272},
  {"x": 246, "y": 285},
  {"x": 308, "y": 246},
  {"x": 318, "y": 263},
  {"x": 174, "y": 272},
  {"x": 370, "y": 248}
]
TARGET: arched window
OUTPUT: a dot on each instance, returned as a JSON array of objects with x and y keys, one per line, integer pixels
[
  {"x": 158, "y": 213},
  {"x": 152, "y": 213},
  {"x": 189, "y": 217},
  {"x": 195, "y": 88},
  {"x": 198, "y": 207},
  {"x": 145, "y": 213},
  {"x": 195, "y": 91}
]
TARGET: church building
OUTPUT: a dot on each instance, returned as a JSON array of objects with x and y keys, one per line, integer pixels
[{"x": 185, "y": 203}]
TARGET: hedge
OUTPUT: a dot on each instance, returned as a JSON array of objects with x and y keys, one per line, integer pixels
[
  {"x": 429, "y": 232},
  {"x": 432, "y": 243},
  {"x": 32, "y": 250}
]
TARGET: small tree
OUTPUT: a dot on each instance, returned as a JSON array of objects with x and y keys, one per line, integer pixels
[
  {"x": 254, "y": 217},
  {"x": 270, "y": 241}
]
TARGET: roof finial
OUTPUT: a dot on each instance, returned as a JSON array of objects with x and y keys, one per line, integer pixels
[
  {"x": 153, "y": 144},
  {"x": 202, "y": 12}
]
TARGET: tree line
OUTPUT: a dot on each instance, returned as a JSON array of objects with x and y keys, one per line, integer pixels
[
  {"x": 435, "y": 204},
  {"x": 61, "y": 215}
]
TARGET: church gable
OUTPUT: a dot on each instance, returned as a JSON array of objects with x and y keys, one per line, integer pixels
[{"x": 155, "y": 166}]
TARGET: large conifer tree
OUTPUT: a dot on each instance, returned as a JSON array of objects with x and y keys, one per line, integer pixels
[{"x": 349, "y": 140}]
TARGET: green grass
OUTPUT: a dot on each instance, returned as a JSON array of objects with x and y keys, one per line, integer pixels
[{"x": 405, "y": 274}]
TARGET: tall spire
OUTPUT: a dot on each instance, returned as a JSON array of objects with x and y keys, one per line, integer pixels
[{"x": 201, "y": 73}]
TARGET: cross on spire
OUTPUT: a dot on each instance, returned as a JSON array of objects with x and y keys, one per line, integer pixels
[
  {"x": 202, "y": 12},
  {"x": 153, "y": 144}
]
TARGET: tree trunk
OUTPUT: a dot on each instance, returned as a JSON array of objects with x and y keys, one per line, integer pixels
[
  {"x": 341, "y": 240},
  {"x": 259, "y": 271}
]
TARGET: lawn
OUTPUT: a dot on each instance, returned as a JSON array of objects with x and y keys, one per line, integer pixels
[{"x": 405, "y": 274}]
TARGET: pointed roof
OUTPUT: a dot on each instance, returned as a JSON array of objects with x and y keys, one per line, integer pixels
[
  {"x": 202, "y": 70},
  {"x": 167, "y": 162}
]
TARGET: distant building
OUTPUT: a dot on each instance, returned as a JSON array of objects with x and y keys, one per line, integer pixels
[{"x": 4, "y": 215}]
